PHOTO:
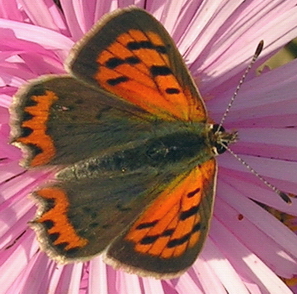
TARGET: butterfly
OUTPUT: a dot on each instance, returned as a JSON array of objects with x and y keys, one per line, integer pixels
[{"x": 134, "y": 147}]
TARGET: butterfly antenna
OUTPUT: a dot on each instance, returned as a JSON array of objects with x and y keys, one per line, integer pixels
[
  {"x": 256, "y": 55},
  {"x": 282, "y": 194}
]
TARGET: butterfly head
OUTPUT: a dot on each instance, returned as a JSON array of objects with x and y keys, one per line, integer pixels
[{"x": 220, "y": 139}]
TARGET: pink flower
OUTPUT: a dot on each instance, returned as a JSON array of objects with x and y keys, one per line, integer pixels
[{"x": 247, "y": 249}]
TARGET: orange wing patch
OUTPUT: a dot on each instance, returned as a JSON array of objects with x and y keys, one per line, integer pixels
[
  {"x": 34, "y": 128},
  {"x": 59, "y": 229},
  {"x": 173, "y": 223},
  {"x": 137, "y": 68}
]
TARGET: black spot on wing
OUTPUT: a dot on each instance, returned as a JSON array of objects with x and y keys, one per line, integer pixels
[
  {"x": 114, "y": 62},
  {"x": 179, "y": 241},
  {"x": 34, "y": 149},
  {"x": 48, "y": 224},
  {"x": 160, "y": 70},
  {"x": 149, "y": 239},
  {"x": 188, "y": 213},
  {"x": 116, "y": 81},
  {"x": 167, "y": 232},
  {"x": 137, "y": 45},
  {"x": 172, "y": 91},
  {"x": 146, "y": 225},
  {"x": 25, "y": 131},
  {"x": 27, "y": 116},
  {"x": 175, "y": 242},
  {"x": 53, "y": 237},
  {"x": 196, "y": 228},
  {"x": 193, "y": 193}
]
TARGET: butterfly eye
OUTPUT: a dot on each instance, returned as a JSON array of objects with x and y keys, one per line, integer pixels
[
  {"x": 218, "y": 149},
  {"x": 218, "y": 129}
]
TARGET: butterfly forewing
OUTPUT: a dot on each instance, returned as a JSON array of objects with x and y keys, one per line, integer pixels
[{"x": 131, "y": 55}]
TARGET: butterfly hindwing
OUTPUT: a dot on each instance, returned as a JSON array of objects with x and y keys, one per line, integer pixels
[
  {"x": 130, "y": 54},
  {"x": 78, "y": 220},
  {"x": 169, "y": 234}
]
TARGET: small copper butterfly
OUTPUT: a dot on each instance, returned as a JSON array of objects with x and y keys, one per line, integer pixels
[{"x": 135, "y": 149}]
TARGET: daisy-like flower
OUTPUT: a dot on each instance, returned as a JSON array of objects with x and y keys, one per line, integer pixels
[{"x": 248, "y": 250}]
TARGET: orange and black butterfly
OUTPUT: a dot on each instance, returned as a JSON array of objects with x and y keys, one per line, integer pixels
[{"x": 136, "y": 150}]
